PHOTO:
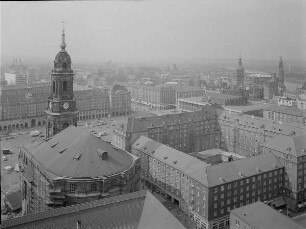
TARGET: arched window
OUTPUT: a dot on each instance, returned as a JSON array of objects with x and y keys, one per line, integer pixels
[{"x": 65, "y": 86}]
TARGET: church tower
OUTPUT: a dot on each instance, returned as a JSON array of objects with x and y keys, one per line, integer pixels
[
  {"x": 240, "y": 73},
  {"x": 61, "y": 111},
  {"x": 281, "y": 73}
]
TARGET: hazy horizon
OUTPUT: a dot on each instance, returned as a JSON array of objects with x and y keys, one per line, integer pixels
[{"x": 156, "y": 31}]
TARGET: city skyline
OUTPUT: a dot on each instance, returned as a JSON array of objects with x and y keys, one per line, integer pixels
[{"x": 155, "y": 31}]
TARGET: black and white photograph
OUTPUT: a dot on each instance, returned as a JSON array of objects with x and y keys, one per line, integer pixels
[{"x": 153, "y": 114}]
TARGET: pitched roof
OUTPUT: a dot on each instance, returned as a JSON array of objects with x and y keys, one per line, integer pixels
[
  {"x": 134, "y": 210},
  {"x": 246, "y": 167},
  {"x": 261, "y": 216},
  {"x": 75, "y": 152},
  {"x": 187, "y": 164},
  {"x": 296, "y": 145},
  {"x": 208, "y": 175}
]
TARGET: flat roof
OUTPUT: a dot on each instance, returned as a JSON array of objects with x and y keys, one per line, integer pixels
[{"x": 261, "y": 216}]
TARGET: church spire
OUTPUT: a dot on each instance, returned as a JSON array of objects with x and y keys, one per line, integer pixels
[{"x": 63, "y": 44}]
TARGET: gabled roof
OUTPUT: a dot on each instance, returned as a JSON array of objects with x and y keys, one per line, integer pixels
[
  {"x": 236, "y": 170},
  {"x": 74, "y": 152},
  {"x": 261, "y": 216},
  {"x": 294, "y": 145},
  {"x": 208, "y": 175},
  {"x": 134, "y": 210},
  {"x": 187, "y": 164}
]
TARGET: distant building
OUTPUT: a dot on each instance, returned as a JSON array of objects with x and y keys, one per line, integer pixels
[
  {"x": 240, "y": 74},
  {"x": 291, "y": 152},
  {"x": 21, "y": 78},
  {"x": 188, "y": 92},
  {"x": 10, "y": 78},
  {"x": 187, "y": 132},
  {"x": 276, "y": 86},
  {"x": 223, "y": 99},
  {"x": 301, "y": 101},
  {"x": 260, "y": 216},
  {"x": 284, "y": 114},
  {"x": 133, "y": 210},
  {"x": 208, "y": 193},
  {"x": 158, "y": 97},
  {"x": 301, "y": 90},
  {"x": 73, "y": 167}
]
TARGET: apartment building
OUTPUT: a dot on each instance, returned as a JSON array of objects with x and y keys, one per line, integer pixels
[
  {"x": 207, "y": 193},
  {"x": 291, "y": 152}
]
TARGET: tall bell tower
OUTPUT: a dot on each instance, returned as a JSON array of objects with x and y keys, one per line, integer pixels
[{"x": 61, "y": 111}]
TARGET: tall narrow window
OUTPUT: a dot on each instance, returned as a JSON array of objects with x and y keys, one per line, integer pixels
[
  {"x": 65, "y": 86},
  {"x": 53, "y": 86}
]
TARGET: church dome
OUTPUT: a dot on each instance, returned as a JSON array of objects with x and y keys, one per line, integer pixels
[{"x": 62, "y": 60}]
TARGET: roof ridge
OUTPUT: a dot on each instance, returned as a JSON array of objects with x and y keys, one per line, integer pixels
[{"x": 73, "y": 208}]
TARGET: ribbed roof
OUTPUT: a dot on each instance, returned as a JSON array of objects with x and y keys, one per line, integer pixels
[
  {"x": 294, "y": 145},
  {"x": 74, "y": 152},
  {"x": 134, "y": 210}
]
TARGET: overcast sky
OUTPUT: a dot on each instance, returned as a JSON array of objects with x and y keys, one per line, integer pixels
[{"x": 156, "y": 30}]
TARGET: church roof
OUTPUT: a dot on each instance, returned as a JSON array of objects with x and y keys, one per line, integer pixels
[
  {"x": 134, "y": 210},
  {"x": 75, "y": 152}
]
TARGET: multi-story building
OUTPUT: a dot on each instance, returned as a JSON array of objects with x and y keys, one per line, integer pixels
[
  {"x": 23, "y": 106},
  {"x": 224, "y": 99},
  {"x": 275, "y": 87},
  {"x": 73, "y": 167},
  {"x": 301, "y": 90},
  {"x": 187, "y": 132},
  {"x": 260, "y": 216},
  {"x": 284, "y": 114},
  {"x": 120, "y": 101},
  {"x": 291, "y": 152},
  {"x": 206, "y": 192},
  {"x": 244, "y": 134},
  {"x": 187, "y": 92},
  {"x": 301, "y": 101}
]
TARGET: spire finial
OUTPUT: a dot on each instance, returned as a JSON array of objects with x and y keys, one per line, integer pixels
[{"x": 63, "y": 45}]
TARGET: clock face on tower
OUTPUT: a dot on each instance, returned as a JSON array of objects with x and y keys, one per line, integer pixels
[{"x": 66, "y": 106}]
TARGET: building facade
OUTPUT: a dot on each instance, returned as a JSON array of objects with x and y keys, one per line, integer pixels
[
  {"x": 284, "y": 114},
  {"x": 187, "y": 132},
  {"x": 291, "y": 152},
  {"x": 206, "y": 192},
  {"x": 206, "y": 129},
  {"x": 74, "y": 167}
]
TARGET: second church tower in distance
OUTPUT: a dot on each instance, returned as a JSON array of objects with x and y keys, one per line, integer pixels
[{"x": 61, "y": 111}]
